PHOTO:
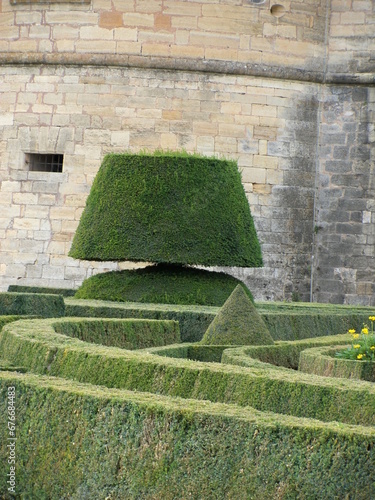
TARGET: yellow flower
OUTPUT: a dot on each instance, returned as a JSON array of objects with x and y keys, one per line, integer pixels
[
  {"x": 356, "y": 346},
  {"x": 355, "y": 335},
  {"x": 365, "y": 330},
  {"x": 352, "y": 331},
  {"x": 372, "y": 348},
  {"x": 371, "y": 318},
  {"x": 360, "y": 356}
]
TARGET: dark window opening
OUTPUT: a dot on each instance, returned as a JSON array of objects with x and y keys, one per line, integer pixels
[{"x": 44, "y": 162}]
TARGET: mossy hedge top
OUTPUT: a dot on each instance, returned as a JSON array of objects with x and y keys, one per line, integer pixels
[{"x": 179, "y": 209}]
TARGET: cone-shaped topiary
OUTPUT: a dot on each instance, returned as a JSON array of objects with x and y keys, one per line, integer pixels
[
  {"x": 237, "y": 323},
  {"x": 168, "y": 207}
]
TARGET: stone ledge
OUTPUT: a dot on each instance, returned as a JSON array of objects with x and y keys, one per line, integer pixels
[
  {"x": 168, "y": 63},
  {"x": 185, "y": 64}
]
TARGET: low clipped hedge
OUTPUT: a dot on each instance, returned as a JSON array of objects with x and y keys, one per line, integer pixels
[
  {"x": 285, "y": 321},
  {"x": 125, "y": 333},
  {"x": 193, "y": 320},
  {"x": 34, "y": 345},
  {"x": 45, "y": 305},
  {"x": 162, "y": 284},
  {"x": 321, "y": 361},
  {"x": 8, "y": 319},
  {"x": 65, "y": 292},
  {"x": 193, "y": 351},
  {"x": 283, "y": 353},
  {"x": 106, "y": 443},
  {"x": 295, "y": 323},
  {"x": 169, "y": 207}
]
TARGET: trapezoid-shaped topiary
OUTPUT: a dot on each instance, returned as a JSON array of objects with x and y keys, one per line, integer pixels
[
  {"x": 237, "y": 323},
  {"x": 168, "y": 207}
]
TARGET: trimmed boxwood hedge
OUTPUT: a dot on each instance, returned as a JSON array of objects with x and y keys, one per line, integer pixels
[
  {"x": 193, "y": 351},
  {"x": 65, "y": 292},
  {"x": 162, "y": 284},
  {"x": 282, "y": 353},
  {"x": 285, "y": 321},
  {"x": 79, "y": 441},
  {"x": 193, "y": 320},
  {"x": 238, "y": 322},
  {"x": 45, "y": 305},
  {"x": 125, "y": 333},
  {"x": 167, "y": 207},
  {"x": 322, "y": 361},
  {"x": 34, "y": 345}
]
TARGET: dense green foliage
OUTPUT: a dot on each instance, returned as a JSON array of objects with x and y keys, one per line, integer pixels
[
  {"x": 284, "y": 321},
  {"x": 48, "y": 306},
  {"x": 287, "y": 321},
  {"x": 193, "y": 320},
  {"x": 65, "y": 292},
  {"x": 34, "y": 345},
  {"x": 83, "y": 442},
  {"x": 8, "y": 319},
  {"x": 125, "y": 333},
  {"x": 161, "y": 284},
  {"x": 237, "y": 323},
  {"x": 112, "y": 426},
  {"x": 282, "y": 354},
  {"x": 321, "y": 361},
  {"x": 172, "y": 208}
]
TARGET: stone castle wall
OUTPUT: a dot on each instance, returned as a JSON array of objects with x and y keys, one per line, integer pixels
[{"x": 286, "y": 89}]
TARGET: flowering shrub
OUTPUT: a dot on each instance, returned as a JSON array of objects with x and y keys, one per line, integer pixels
[{"x": 363, "y": 344}]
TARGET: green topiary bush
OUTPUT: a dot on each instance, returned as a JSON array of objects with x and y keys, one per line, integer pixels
[
  {"x": 164, "y": 284},
  {"x": 237, "y": 323},
  {"x": 168, "y": 207}
]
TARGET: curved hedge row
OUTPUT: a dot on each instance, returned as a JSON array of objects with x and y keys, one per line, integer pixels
[
  {"x": 107, "y": 443},
  {"x": 193, "y": 320},
  {"x": 321, "y": 361},
  {"x": 35, "y": 345},
  {"x": 124, "y": 333},
  {"x": 283, "y": 353},
  {"x": 168, "y": 207},
  {"x": 185, "y": 429}
]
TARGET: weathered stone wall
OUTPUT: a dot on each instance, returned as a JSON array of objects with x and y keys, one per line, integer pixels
[
  {"x": 351, "y": 41},
  {"x": 286, "y": 88},
  {"x": 228, "y": 35},
  {"x": 269, "y": 127},
  {"x": 344, "y": 266}
]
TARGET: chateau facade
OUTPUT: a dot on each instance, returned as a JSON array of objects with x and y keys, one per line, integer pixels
[{"x": 286, "y": 88}]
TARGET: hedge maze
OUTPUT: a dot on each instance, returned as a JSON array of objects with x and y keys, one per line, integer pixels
[
  {"x": 125, "y": 401},
  {"x": 169, "y": 382}
]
